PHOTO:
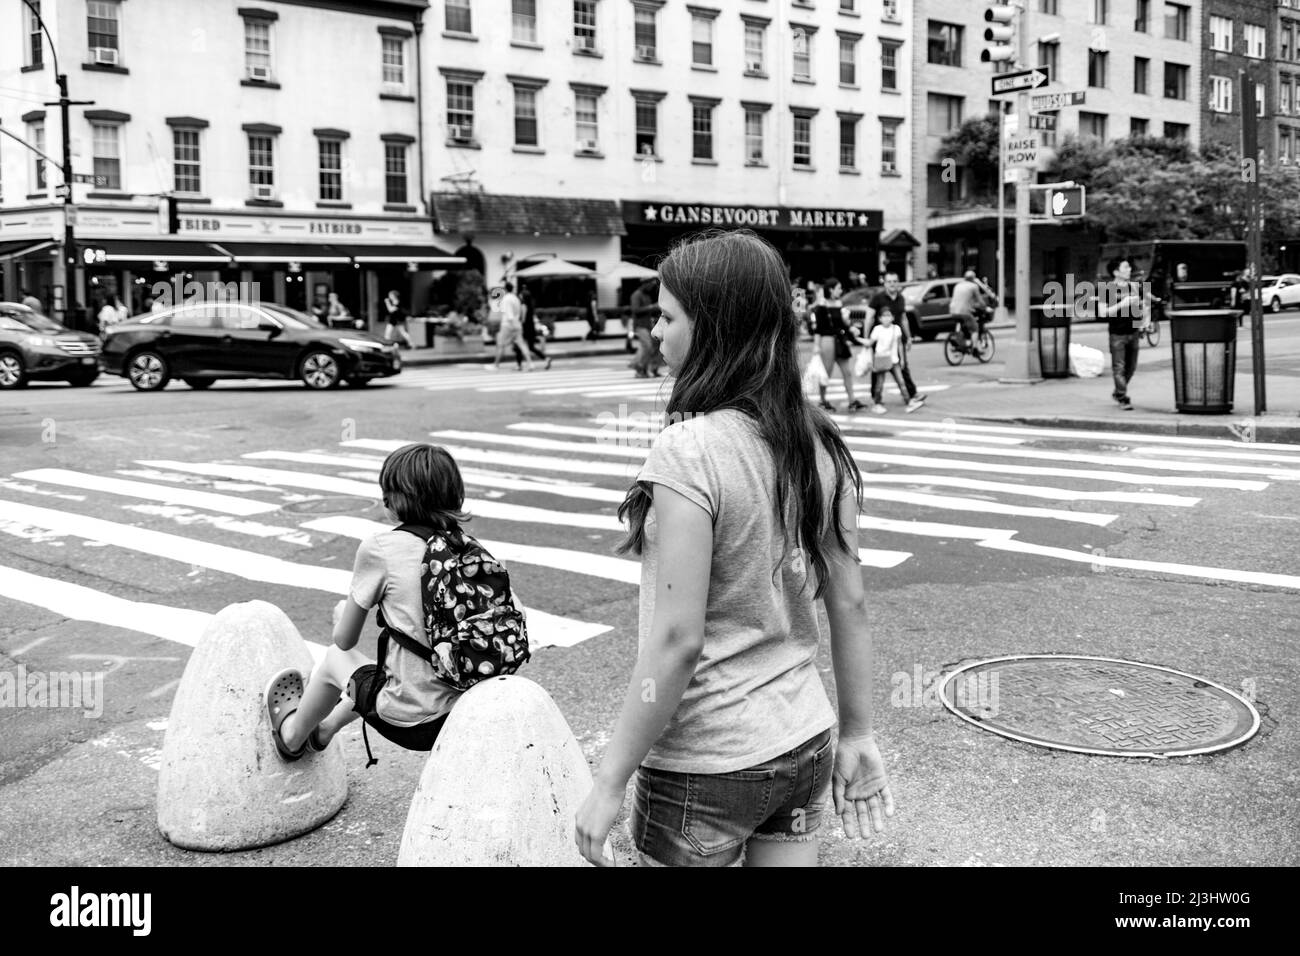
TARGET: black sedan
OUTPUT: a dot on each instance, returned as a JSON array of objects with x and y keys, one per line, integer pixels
[
  {"x": 202, "y": 342},
  {"x": 36, "y": 348}
]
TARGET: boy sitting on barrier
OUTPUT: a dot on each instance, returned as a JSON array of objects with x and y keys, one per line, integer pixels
[{"x": 444, "y": 603}]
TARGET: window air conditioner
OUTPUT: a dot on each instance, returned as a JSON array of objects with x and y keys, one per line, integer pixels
[
  {"x": 888, "y": 168},
  {"x": 585, "y": 42},
  {"x": 263, "y": 191},
  {"x": 260, "y": 73},
  {"x": 755, "y": 66},
  {"x": 645, "y": 52},
  {"x": 462, "y": 134},
  {"x": 107, "y": 55},
  {"x": 588, "y": 146}
]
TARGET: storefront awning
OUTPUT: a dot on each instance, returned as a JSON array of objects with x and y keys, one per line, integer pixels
[
  {"x": 479, "y": 213},
  {"x": 898, "y": 238},
  {"x": 380, "y": 255},
  {"x": 254, "y": 253},
  {"x": 156, "y": 250},
  {"x": 17, "y": 248}
]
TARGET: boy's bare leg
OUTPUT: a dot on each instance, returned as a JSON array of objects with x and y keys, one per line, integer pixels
[{"x": 320, "y": 701}]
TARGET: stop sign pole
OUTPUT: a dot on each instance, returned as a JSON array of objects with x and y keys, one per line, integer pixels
[{"x": 1022, "y": 359}]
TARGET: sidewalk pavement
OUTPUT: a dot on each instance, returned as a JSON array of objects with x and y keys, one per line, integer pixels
[{"x": 1056, "y": 403}]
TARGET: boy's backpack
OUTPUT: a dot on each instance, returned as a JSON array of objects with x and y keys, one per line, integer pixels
[{"x": 470, "y": 617}]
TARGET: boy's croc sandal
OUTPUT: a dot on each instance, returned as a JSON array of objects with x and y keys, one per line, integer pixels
[{"x": 283, "y": 696}]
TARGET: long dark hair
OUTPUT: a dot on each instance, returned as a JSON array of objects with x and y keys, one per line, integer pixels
[{"x": 744, "y": 356}]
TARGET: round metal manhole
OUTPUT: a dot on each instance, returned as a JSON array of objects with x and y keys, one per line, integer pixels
[
  {"x": 331, "y": 505},
  {"x": 1099, "y": 705}
]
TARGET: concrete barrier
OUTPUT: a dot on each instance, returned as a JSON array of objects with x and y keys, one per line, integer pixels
[
  {"x": 501, "y": 786},
  {"x": 222, "y": 784}
]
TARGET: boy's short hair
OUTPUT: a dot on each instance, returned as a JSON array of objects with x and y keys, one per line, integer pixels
[
  {"x": 1113, "y": 265},
  {"x": 422, "y": 485}
]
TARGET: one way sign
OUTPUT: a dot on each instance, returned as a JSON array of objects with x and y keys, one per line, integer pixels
[{"x": 1024, "y": 80}]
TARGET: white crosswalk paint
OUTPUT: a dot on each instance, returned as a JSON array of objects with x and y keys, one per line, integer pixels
[
  {"x": 602, "y": 443},
  {"x": 1030, "y": 491},
  {"x": 931, "y": 529},
  {"x": 1239, "y": 453},
  {"x": 877, "y": 558},
  {"x": 954, "y": 503},
  {"x": 208, "y": 501},
  {"x": 462, "y": 453}
]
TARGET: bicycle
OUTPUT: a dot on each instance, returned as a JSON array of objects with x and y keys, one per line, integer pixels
[
  {"x": 981, "y": 347},
  {"x": 1152, "y": 333}
]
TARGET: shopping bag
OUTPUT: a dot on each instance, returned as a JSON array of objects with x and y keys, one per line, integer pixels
[
  {"x": 862, "y": 367},
  {"x": 1086, "y": 362},
  {"x": 814, "y": 376}
]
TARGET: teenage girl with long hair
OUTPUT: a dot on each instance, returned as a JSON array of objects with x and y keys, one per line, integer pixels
[
  {"x": 745, "y": 515},
  {"x": 834, "y": 341}
]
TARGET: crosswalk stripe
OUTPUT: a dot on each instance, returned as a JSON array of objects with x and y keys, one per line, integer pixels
[
  {"x": 625, "y": 470},
  {"x": 876, "y": 558},
  {"x": 1032, "y": 491},
  {"x": 348, "y": 486},
  {"x": 618, "y": 426},
  {"x": 931, "y": 529},
  {"x": 208, "y": 501},
  {"x": 1163, "y": 567},
  {"x": 954, "y": 503},
  {"x": 610, "y": 447},
  {"x": 1238, "y": 454}
]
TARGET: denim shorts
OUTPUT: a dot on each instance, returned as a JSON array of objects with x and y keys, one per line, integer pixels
[{"x": 705, "y": 819}]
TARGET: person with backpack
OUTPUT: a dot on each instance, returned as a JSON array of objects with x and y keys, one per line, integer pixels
[
  {"x": 745, "y": 515},
  {"x": 447, "y": 612}
]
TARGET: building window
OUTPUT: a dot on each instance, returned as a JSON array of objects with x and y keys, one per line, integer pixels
[
  {"x": 1097, "y": 12},
  {"x": 754, "y": 44},
  {"x": 1220, "y": 94},
  {"x": 106, "y": 138},
  {"x": 459, "y": 17},
  {"x": 1096, "y": 68},
  {"x": 584, "y": 25},
  {"x": 525, "y": 116},
  {"x": 848, "y": 6},
  {"x": 103, "y": 26},
  {"x": 1288, "y": 33},
  {"x": 701, "y": 130},
  {"x": 647, "y": 126},
  {"x": 889, "y": 146},
  {"x": 1284, "y": 150},
  {"x": 1255, "y": 40},
  {"x": 802, "y": 54},
  {"x": 35, "y": 47},
  {"x": 261, "y": 165},
  {"x": 1221, "y": 34},
  {"x": 523, "y": 21},
  {"x": 186, "y": 176},
  {"x": 36, "y": 136},
  {"x": 1092, "y": 124},
  {"x": 586, "y": 121},
  {"x": 1049, "y": 55},
  {"x": 1175, "y": 81},
  {"x": 848, "y": 142},
  {"x": 645, "y": 33},
  {"x": 1047, "y": 6},
  {"x": 848, "y": 60},
  {"x": 394, "y": 63},
  {"x": 1142, "y": 19},
  {"x": 331, "y": 170},
  {"x": 1177, "y": 19},
  {"x": 1284, "y": 94},
  {"x": 701, "y": 41},
  {"x": 889, "y": 11},
  {"x": 941, "y": 189},
  {"x": 803, "y": 140},
  {"x": 754, "y": 137},
  {"x": 460, "y": 109},
  {"x": 944, "y": 44},
  {"x": 1138, "y": 127},
  {"x": 1259, "y": 99},
  {"x": 889, "y": 64},
  {"x": 1176, "y": 131},
  {"x": 257, "y": 49},
  {"x": 943, "y": 114},
  {"x": 395, "y": 174},
  {"x": 1141, "y": 74}
]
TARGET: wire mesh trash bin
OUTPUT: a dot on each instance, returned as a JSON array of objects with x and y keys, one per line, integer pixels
[
  {"x": 1204, "y": 343},
  {"x": 1051, "y": 323}
]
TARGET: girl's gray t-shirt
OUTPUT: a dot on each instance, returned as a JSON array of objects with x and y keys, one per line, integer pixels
[{"x": 756, "y": 692}]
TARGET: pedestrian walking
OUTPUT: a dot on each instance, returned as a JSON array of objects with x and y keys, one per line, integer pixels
[
  {"x": 745, "y": 515},
  {"x": 835, "y": 340},
  {"x": 887, "y": 359},
  {"x": 1122, "y": 304},
  {"x": 645, "y": 314},
  {"x": 891, "y": 298},
  {"x": 530, "y": 330},
  {"x": 395, "y": 318},
  {"x": 337, "y": 315},
  {"x": 405, "y": 696},
  {"x": 595, "y": 323},
  {"x": 512, "y": 327}
]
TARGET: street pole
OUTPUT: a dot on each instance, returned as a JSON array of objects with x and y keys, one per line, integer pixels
[
  {"x": 1252, "y": 170},
  {"x": 1001, "y": 311}
]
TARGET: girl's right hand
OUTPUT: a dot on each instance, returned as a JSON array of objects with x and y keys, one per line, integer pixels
[{"x": 861, "y": 787}]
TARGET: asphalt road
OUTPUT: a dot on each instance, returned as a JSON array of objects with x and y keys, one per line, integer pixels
[{"x": 978, "y": 541}]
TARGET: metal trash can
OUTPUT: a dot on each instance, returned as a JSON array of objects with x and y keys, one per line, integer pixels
[
  {"x": 1204, "y": 343},
  {"x": 1051, "y": 323}
]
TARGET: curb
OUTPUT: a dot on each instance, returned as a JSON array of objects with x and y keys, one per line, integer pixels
[
  {"x": 1219, "y": 428},
  {"x": 488, "y": 355}
]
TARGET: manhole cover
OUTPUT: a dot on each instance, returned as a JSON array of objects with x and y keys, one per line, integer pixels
[
  {"x": 331, "y": 505},
  {"x": 1098, "y": 705}
]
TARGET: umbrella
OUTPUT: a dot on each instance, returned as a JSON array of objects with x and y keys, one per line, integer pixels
[
  {"x": 630, "y": 270},
  {"x": 550, "y": 268}
]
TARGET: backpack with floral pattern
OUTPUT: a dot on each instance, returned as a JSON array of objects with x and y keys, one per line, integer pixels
[{"x": 470, "y": 617}]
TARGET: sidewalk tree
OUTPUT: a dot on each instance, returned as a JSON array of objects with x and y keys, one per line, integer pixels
[{"x": 973, "y": 146}]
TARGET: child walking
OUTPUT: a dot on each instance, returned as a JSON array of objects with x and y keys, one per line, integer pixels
[
  {"x": 404, "y": 697},
  {"x": 745, "y": 514},
  {"x": 887, "y": 341}
]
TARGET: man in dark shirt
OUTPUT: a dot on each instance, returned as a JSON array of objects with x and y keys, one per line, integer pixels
[
  {"x": 645, "y": 313},
  {"x": 1121, "y": 303},
  {"x": 891, "y": 298}
]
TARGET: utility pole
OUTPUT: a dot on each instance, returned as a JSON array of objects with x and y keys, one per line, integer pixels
[
  {"x": 1250, "y": 167},
  {"x": 1022, "y": 358}
]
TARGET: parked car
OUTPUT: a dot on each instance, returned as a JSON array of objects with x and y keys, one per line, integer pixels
[
  {"x": 1279, "y": 292},
  {"x": 203, "y": 342},
  {"x": 36, "y": 348},
  {"x": 929, "y": 306}
]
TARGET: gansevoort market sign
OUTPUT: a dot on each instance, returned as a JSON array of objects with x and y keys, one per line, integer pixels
[{"x": 793, "y": 218}]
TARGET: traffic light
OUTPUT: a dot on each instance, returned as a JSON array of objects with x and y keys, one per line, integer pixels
[
  {"x": 999, "y": 33},
  {"x": 173, "y": 216}
]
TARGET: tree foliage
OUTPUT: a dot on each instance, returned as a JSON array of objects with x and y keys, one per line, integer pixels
[{"x": 974, "y": 146}]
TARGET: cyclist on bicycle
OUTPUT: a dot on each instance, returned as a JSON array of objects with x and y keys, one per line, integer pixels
[{"x": 967, "y": 299}]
